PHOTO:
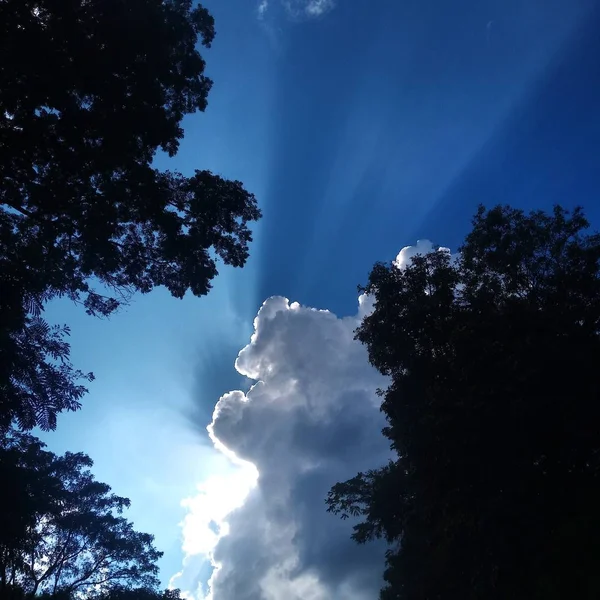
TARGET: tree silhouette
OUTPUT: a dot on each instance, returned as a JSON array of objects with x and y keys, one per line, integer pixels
[
  {"x": 140, "y": 594},
  {"x": 493, "y": 410},
  {"x": 83, "y": 212},
  {"x": 61, "y": 531},
  {"x": 34, "y": 389}
]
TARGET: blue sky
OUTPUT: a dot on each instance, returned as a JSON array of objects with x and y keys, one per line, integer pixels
[{"x": 361, "y": 127}]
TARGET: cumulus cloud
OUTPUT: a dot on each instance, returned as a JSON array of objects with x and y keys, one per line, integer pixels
[
  {"x": 311, "y": 419},
  {"x": 260, "y": 530},
  {"x": 421, "y": 247}
]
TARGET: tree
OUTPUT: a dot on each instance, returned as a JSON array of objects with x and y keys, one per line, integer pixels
[
  {"x": 37, "y": 380},
  {"x": 493, "y": 411},
  {"x": 61, "y": 530},
  {"x": 140, "y": 594},
  {"x": 83, "y": 212}
]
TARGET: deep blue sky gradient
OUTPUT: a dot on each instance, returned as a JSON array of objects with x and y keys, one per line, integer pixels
[{"x": 394, "y": 120}]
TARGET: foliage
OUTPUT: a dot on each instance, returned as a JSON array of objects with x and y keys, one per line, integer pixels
[
  {"x": 83, "y": 212},
  {"x": 140, "y": 594},
  {"x": 493, "y": 411},
  {"x": 61, "y": 530},
  {"x": 37, "y": 389},
  {"x": 118, "y": 593}
]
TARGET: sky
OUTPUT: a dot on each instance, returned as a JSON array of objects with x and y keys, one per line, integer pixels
[{"x": 361, "y": 127}]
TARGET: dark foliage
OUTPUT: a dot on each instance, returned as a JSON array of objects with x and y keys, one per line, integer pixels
[
  {"x": 61, "y": 531},
  {"x": 139, "y": 594},
  {"x": 83, "y": 213},
  {"x": 493, "y": 409},
  {"x": 38, "y": 379}
]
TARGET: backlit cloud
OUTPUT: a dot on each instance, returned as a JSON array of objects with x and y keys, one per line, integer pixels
[
  {"x": 311, "y": 420},
  {"x": 260, "y": 531},
  {"x": 421, "y": 247}
]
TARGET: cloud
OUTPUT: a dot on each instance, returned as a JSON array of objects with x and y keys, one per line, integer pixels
[
  {"x": 311, "y": 419},
  {"x": 262, "y": 8},
  {"x": 258, "y": 529},
  {"x": 316, "y": 8},
  {"x": 299, "y": 9},
  {"x": 422, "y": 247}
]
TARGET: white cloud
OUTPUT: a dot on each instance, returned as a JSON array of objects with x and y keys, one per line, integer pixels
[
  {"x": 422, "y": 247},
  {"x": 316, "y": 8},
  {"x": 260, "y": 531},
  {"x": 311, "y": 420},
  {"x": 299, "y": 9}
]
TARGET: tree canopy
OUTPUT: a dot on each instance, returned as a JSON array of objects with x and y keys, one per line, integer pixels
[
  {"x": 91, "y": 91},
  {"x": 84, "y": 214},
  {"x": 139, "y": 594},
  {"x": 493, "y": 411},
  {"x": 61, "y": 531}
]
